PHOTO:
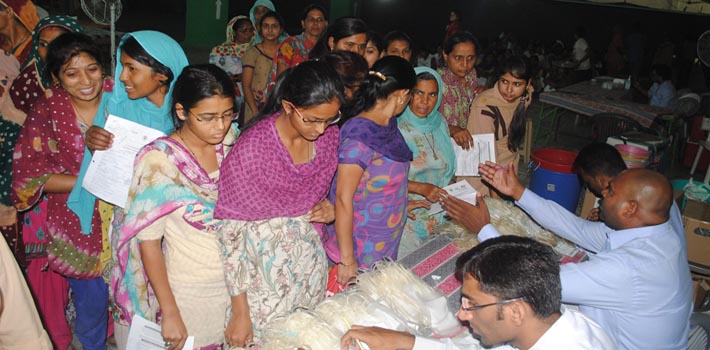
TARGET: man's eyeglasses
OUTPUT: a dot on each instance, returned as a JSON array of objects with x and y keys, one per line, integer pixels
[
  {"x": 230, "y": 117},
  {"x": 466, "y": 304},
  {"x": 329, "y": 121}
]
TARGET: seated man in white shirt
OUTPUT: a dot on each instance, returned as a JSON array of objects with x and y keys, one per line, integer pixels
[
  {"x": 637, "y": 286},
  {"x": 598, "y": 163},
  {"x": 510, "y": 295}
]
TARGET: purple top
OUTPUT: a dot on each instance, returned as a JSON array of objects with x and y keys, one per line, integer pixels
[
  {"x": 259, "y": 181},
  {"x": 380, "y": 201}
]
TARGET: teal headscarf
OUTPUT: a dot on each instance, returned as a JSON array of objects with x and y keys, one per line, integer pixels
[
  {"x": 270, "y": 5},
  {"x": 166, "y": 51},
  {"x": 434, "y": 123},
  {"x": 65, "y": 22}
]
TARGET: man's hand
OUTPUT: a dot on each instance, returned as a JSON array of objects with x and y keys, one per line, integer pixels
[
  {"x": 377, "y": 338},
  {"x": 593, "y": 215},
  {"x": 473, "y": 217},
  {"x": 502, "y": 179}
]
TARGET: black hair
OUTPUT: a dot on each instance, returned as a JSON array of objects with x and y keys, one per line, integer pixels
[
  {"x": 343, "y": 27},
  {"x": 272, "y": 14},
  {"x": 599, "y": 158},
  {"x": 240, "y": 22},
  {"x": 396, "y": 35},
  {"x": 351, "y": 67},
  {"x": 510, "y": 267},
  {"x": 519, "y": 68},
  {"x": 376, "y": 39},
  {"x": 134, "y": 50},
  {"x": 459, "y": 37},
  {"x": 397, "y": 73},
  {"x": 662, "y": 70},
  {"x": 426, "y": 76},
  {"x": 67, "y": 46},
  {"x": 196, "y": 83},
  {"x": 581, "y": 32},
  {"x": 308, "y": 84},
  {"x": 312, "y": 7}
]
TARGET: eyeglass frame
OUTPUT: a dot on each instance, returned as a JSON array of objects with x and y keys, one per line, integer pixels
[
  {"x": 327, "y": 122},
  {"x": 210, "y": 120},
  {"x": 479, "y": 307}
]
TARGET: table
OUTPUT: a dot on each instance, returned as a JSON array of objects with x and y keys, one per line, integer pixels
[
  {"x": 435, "y": 262},
  {"x": 589, "y": 98}
]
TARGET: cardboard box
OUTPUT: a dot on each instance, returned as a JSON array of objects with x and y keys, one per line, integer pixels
[
  {"x": 696, "y": 220},
  {"x": 587, "y": 203},
  {"x": 701, "y": 292}
]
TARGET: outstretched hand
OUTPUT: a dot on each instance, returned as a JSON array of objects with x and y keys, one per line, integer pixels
[
  {"x": 503, "y": 179},
  {"x": 473, "y": 217}
]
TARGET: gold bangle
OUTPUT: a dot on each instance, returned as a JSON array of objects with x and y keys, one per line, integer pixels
[{"x": 344, "y": 264}]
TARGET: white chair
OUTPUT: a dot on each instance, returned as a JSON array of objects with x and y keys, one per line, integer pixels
[{"x": 701, "y": 146}]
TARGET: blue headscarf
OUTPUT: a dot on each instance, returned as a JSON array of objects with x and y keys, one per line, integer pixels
[
  {"x": 166, "y": 51},
  {"x": 269, "y": 5},
  {"x": 434, "y": 123}
]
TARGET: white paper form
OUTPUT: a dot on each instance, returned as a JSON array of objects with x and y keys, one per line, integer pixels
[
  {"x": 484, "y": 149},
  {"x": 461, "y": 190},
  {"x": 145, "y": 335},
  {"x": 110, "y": 172}
]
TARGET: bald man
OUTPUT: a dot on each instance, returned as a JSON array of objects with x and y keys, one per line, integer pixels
[{"x": 637, "y": 287}]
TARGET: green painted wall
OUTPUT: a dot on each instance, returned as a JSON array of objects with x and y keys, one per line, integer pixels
[
  {"x": 341, "y": 8},
  {"x": 202, "y": 27}
]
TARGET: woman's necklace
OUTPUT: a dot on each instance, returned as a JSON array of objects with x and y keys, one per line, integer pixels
[
  {"x": 185, "y": 143},
  {"x": 80, "y": 117},
  {"x": 431, "y": 144}
]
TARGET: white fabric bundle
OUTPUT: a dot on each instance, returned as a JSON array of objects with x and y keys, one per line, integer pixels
[
  {"x": 301, "y": 329},
  {"x": 511, "y": 220},
  {"x": 388, "y": 296}
]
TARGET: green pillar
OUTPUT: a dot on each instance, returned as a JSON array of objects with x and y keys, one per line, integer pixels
[
  {"x": 205, "y": 22},
  {"x": 341, "y": 8}
]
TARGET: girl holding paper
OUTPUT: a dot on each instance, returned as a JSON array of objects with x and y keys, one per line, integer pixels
[
  {"x": 427, "y": 134},
  {"x": 502, "y": 110},
  {"x": 171, "y": 203},
  {"x": 148, "y": 63},
  {"x": 47, "y": 157}
]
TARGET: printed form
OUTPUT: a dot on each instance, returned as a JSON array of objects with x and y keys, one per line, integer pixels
[{"x": 110, "y": 172}]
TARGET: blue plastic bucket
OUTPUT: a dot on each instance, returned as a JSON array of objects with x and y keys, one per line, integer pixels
[{"x": 552, "y": 177}]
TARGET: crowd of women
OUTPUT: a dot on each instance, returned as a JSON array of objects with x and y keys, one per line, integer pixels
[{"x": 303, "y": 159}]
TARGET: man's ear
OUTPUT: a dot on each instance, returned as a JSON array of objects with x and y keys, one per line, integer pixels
[
  {"x": 630, "y": 208},
  {"x": 518, "y": 312}
]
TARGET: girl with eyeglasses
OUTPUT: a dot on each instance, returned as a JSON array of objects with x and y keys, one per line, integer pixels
[
  {"x": 370, "y": 187},
  {"x": 171, "y": 205},
  {"x": 272, "y": 200}
]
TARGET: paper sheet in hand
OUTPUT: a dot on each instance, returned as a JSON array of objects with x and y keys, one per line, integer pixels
[
  {"x": 484, "y": 149},
  {"x": 145, "y": 335},
  {"x": 461, "y": 190},
  {"x": 110, "y": 171}
]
